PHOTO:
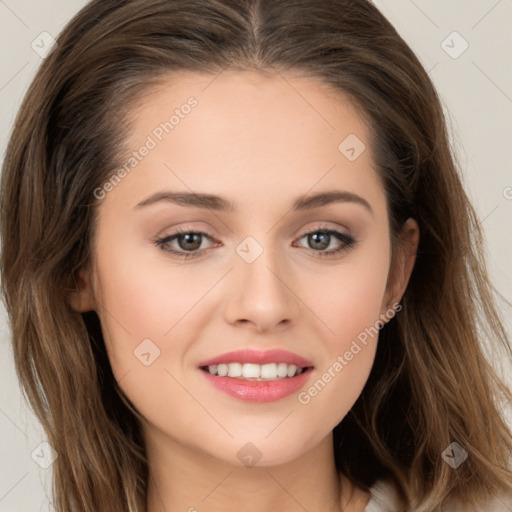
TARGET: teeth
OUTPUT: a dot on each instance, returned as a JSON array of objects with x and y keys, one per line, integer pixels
[
  {"x": 291, "y": 370},
  {"x": 268, "y": 371},
  {"x": 251, "y": 371},
  {"x": 282, "y": 370},
  {"x": 234, "y": 370}
]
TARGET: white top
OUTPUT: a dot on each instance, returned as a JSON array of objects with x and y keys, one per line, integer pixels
[{"x": 385, "y": 499}]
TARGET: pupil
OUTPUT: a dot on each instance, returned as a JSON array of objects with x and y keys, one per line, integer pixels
[
  {"x": 190, "y": 243},
  {"x": 317, "y": 242}
]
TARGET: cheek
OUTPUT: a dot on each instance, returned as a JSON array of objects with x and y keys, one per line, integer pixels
[
  {"x": 150, "y": 313},
  {"x": 349, "y": 298},
  {"x": 349, "y": 302},
  {"x": 146, "y": 296}
]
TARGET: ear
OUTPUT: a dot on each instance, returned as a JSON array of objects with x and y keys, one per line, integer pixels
[
  {"x": 81, "y": 299},
  {"x": 403, "y": 262}
]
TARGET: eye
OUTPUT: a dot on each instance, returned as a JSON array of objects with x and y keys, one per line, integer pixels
[
  {"x": 188, "y": 242},
  {"x": 321, "y": 238}
]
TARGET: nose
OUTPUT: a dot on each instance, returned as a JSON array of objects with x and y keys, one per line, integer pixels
[{"x": 261, "y": 294}]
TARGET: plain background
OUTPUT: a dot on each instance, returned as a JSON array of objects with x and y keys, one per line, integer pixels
[{"x": 475, "y": 87}]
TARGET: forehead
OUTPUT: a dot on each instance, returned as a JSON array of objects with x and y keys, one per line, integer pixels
[
  {"x": 250, "y": 132},
  {"x": 242, "y": 104}
]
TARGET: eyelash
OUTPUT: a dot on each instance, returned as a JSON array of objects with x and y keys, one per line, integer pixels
[{"x": 348, "y": 242}]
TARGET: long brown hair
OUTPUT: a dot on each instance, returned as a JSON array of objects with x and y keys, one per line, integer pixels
[{"x": 431, "y": 383}]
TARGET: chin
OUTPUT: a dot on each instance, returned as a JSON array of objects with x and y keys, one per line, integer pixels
[{"x": 264, "y": 450}]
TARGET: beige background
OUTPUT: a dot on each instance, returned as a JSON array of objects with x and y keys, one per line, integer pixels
[{"x": 476, "y": 88}]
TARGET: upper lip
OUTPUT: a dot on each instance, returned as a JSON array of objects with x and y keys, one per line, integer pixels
[{"x": 258, "y": 357}]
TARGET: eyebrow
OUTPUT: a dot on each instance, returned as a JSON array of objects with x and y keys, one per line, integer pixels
[{"x": 213, "y": 202}]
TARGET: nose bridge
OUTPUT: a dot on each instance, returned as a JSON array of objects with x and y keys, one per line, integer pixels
[
  {"x": 260, "y": 266},
  {"x": 262, "y": 294}
]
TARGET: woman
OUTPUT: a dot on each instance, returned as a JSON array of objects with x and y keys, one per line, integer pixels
[{"x": 241, "y": 269}]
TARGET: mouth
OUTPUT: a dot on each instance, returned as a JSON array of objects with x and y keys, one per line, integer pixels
[
  {"x": 256, "y": 372},
  {"x": 257, "y": 376}
]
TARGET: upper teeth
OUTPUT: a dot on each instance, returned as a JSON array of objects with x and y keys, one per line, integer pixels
[{"x": 255, "y": 371}]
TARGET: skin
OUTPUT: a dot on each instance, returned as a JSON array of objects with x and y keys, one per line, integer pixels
[{"x": 260, "y": 142}]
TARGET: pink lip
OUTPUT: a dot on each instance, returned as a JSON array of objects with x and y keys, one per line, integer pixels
[
  {"x": 253, "y": 390},
  {"x": 258, "y": 391},
  {"x": 258, "y": 357}
]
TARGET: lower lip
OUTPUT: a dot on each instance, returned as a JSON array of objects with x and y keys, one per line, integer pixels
[{"x": 258, "y": 391}]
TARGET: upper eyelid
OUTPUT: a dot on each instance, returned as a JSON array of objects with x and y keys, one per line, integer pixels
[
  {"x": 315, "y": 229},
  {"x": 173, "y": 236},
  {"x": 346, "y": 240}
]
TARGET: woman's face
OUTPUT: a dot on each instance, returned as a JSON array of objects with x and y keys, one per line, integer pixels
[{"x": 257, "y": 279}]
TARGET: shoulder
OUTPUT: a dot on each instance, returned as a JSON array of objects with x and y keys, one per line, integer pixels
[{"x": 384, "y": 498}]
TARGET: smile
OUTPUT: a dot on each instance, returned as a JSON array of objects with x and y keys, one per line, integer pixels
[{"x": 255, "y": 372}]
